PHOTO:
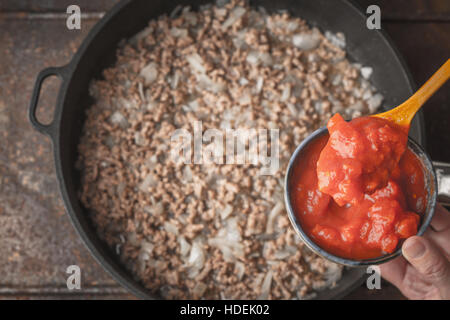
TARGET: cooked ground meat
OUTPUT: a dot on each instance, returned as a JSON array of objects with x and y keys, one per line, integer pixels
[{"x": 214, "y": 231}]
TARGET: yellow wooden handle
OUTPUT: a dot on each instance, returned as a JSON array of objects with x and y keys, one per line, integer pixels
[{"x": 404, "y": 113}]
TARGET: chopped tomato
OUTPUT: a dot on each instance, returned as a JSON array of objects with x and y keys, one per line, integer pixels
[
  {"x": 407, "y": 225},
  {"x": 389, "y": 243},
  {"x": 359, "y": 157}
]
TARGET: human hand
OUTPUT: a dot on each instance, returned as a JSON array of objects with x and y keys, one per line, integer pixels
[{"x": 423, "y": 272}]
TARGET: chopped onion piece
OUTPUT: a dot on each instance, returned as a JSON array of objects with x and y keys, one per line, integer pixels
[
  {"x": 147, "y": 247},
  {"x": 286, "y": 94},
  {"x": 169, "y": 227},
  {"x": 187, "y": 174},
  {"x": 196, "y": 259},
  {"x": 149, "y": 181},
  {"x": 226, "y": 212},
  {"x": 119, "y": 119},
  {"x": 179, "y": 33},
  {"x": 265, "y": 288},
  {"x": 253, "y": 57},
  {"x": 259, "y": 84},
  {"x": 175, "y": 80},
  {"x": 366, "y": 72},
  {"x": 337, "y": 39},
  {"x": 156, "y": 209},
  {"x": 235, "y": 15},
  {"x": 306, "y": 41},
  {"x": 196, "y": 62},
  {"x": 240, "y": 270},
  {"x": 185, "y": 247},
  {"x": 277, "y": 209},
  {"x": 374, "y": 102},
  {"x": 149, "y": 72},
  {"x": 243, "y": 81},
  {"x": 282, "y": 254},
  {"x": 292, "y": 109}
]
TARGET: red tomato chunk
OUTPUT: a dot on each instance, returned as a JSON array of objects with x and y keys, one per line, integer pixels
[{"x": 359, "y": 157}]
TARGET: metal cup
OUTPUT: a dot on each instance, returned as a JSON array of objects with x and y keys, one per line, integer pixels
[{"x": 435, "y": 178}]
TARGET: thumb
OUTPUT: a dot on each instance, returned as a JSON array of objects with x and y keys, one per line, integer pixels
[{"x": 429, "y": 262}]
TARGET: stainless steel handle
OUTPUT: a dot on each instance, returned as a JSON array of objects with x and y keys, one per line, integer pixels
[{"x": 443, "y": 180}]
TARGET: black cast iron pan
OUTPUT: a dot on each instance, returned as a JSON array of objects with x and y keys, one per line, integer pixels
[{"x": 369, "y": 47}]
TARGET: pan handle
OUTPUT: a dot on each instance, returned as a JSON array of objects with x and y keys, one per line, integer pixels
[
  {"x": 60, "y": 72},
  {"x": 443, "y": 179}
]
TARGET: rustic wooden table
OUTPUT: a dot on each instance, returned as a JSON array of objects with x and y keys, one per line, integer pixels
[{"x": 37, "y": 242}]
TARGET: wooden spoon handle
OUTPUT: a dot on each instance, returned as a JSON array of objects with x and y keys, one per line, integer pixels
[{"x": 403, "y": 114}]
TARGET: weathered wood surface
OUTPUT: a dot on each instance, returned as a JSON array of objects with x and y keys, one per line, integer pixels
[{"x": 37, "y": 241}]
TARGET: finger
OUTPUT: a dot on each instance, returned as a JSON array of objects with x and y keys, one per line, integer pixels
[
  {"x": 441, "y": 219},
  {"x": 429, "y": 262},
  {"x": 394, "y": 271},
  {"x": 407, "y": 279},
  {"x": 440, "y": 239}
]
